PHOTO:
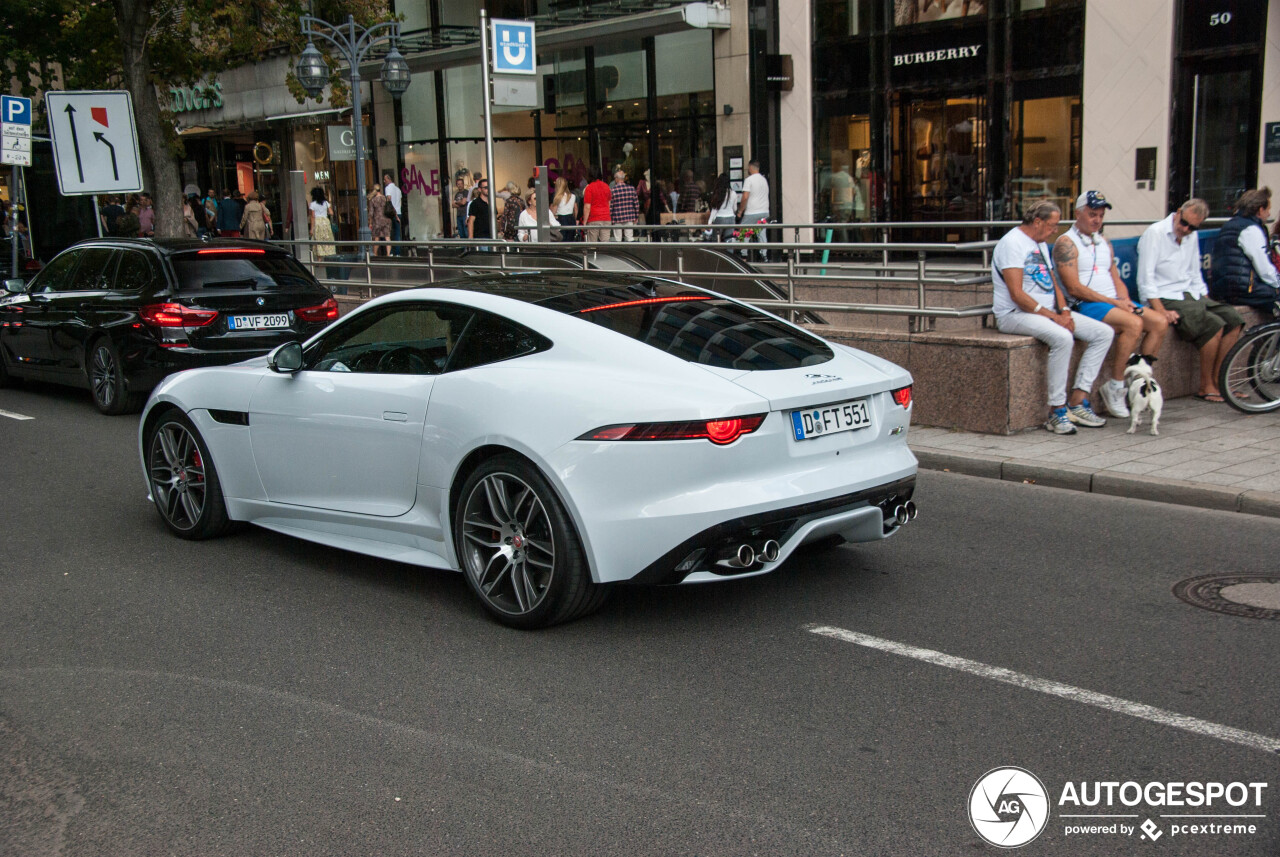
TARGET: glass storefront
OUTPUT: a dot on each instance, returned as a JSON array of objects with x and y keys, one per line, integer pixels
[
  {"x": 916, "y": 119},
  {"x": 646, "y": 104}
]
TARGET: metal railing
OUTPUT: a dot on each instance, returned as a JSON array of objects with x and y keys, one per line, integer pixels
[{"x": 925, "y": 269}]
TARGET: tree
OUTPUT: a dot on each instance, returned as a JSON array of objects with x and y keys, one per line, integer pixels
[{"x": 140, "y": 45}]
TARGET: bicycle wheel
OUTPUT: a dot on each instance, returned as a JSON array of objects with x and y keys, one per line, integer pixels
[{"x": 1250, "y": 374}]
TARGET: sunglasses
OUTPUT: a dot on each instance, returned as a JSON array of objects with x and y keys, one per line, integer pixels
[{"x": 1190, "y": 227}]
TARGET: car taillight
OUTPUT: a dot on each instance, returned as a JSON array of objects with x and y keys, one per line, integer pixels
[
  {"x": 175, "y": 315},
  {"x": 717, "y": 431},
  {"x": 902, "y": 396},
  {"x": 326, "y": 311}
]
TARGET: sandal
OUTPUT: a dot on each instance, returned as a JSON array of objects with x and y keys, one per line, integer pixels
[{"x": 1209, "y": 397}]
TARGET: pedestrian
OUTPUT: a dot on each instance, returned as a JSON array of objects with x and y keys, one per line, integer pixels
[
  {"x": 753, "y": 206},
  {"x": 595, "y": 207},
  {"x": 146, "y": 216},
  {"x": 379, "y": 223},
  {"x": 1087, "y": 267},
  {"x": 111, "y": 211},
  {"x": 724, "y": 205},
  {"x": 478, "y": 213},
  {"x": 1243, "y": 273},
  {"x": 210, "y": 203},
  {"x": 512, "y": 205},
  {"x": 393, "y": 195},
  {"x": 564, "y": 205},
  {"x": 228, "y": 220},
  {"x": 190, "y": 228},
  {"x": 319, "y": 219},
  {"x": 253, "y": 221},
  {"x": 624, "y": 206},
  {"x": 461, "y": 198},
  {"x": 1170, "y": 282},
  {"x": 1027, "y": 300},
  {"x": 528, "y": 221},
  {"x": 690, "y": 193}
]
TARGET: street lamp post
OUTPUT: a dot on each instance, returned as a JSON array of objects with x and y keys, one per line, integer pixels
[{"x": 353, "y": 44}]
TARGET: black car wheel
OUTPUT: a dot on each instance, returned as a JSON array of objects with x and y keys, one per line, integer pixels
[
  {"x": 518, "y": 548},
  {"x": 184, "y": 482},
  {"x": 106, "y": 381}
]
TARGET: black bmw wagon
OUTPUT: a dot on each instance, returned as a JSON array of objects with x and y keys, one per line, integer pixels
[{"x": 116, "y": 315}]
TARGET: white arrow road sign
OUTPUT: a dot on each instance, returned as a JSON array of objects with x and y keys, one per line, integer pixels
[{"x": 95, "y": 144}]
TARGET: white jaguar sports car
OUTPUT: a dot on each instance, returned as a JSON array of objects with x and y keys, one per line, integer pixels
[{"x": 547, "y": 434}]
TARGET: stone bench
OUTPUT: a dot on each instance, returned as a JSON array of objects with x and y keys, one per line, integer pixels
[{"x": 986, "y": 381}]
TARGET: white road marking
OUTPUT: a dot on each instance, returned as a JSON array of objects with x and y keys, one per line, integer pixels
[
  {"x": 1252, "y": 740},
  {"x": 11, "y": 415}
]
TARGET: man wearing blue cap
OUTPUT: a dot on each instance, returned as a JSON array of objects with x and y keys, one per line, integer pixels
[{"x": 1091, "y": 276}]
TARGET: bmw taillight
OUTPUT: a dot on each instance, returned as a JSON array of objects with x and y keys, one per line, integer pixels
[
  {"x": 902, "y": 396},
  {"x": 175, "y": 315},
  {"x": 326, "y": 311},
  {"x": 717, "y": 431}
]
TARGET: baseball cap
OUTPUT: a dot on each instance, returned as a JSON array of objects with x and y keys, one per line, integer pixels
[{"x": 1092, "y": 199}]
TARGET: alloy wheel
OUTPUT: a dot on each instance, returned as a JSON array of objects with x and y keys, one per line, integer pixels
[
  {"x": 103, "y": 377},
  {"x": 178, "y": 479},
  {"x": 509, "y": 546}
]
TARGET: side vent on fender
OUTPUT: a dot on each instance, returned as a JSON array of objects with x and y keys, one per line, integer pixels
[{"x": 232, "y": 418}]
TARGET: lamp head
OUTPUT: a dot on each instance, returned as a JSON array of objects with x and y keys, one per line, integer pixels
[
  {"x": 312, "y": 71},
  {"x": 395, "y": 73}
]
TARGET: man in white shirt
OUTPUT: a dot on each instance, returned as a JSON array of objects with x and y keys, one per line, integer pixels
[
  {"x": 1170, "y": 283},
  {"x": 1087, "y": 267},
  {"x": 394, "y": 197},
  {"x": 1027, "y": 300},
  {"x": 753, "y": 207}
]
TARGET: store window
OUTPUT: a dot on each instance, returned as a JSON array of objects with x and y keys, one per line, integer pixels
[
  {"x": 940, "y": 158},
  {"x": 844, "y": 178},
  {"x": 908, "y": 12},
  {"x": 841, "y": 18},
  {"x": 1045, "y": 157}
]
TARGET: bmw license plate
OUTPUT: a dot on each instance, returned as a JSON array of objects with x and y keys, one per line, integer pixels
[
  {"x": 257, "y": 322},
  {"x": 830, "y": 419}
]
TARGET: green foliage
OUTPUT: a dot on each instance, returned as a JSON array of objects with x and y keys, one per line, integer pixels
[{"x": 187, "y": 40}]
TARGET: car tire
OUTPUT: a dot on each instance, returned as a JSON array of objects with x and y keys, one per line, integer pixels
[
  {"x": 107, "y": 384},
  {"x": 184, "y": 482},
  {"x": 6, "y": 379},
  {"x": 518, "y": 548}
]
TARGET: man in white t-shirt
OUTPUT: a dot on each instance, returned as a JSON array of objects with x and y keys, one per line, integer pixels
[
  {"x": 394, "y": 197},
  {"x": 753, "y": 207},
  {"x": 1027, "y": 300},
  {"x": 1088, "y": 270}
]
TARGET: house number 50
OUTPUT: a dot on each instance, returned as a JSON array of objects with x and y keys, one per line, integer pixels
[{"x": 1219, "y": 18}]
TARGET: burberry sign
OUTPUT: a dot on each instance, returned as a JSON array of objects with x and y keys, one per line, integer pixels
[{"x": 941, "y": 55}]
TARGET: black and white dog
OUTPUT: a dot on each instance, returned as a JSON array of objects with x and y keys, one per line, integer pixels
[{"x": 1144, "y": 392}]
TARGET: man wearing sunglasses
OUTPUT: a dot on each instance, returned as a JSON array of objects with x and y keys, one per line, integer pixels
[{"x": 1170, "y": 282}]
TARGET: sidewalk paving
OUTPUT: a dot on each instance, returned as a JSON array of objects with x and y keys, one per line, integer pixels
[{"x": 1207, "y": 454}]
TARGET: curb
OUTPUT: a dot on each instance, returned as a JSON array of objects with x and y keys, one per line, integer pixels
[{"x": 1073, "y": 478}]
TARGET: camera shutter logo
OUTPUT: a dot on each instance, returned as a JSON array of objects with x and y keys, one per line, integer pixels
[{"x": 1008, "y": 807}]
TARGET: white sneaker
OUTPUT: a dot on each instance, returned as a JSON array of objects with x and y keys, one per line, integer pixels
[
  {"x": 1083, "y": 415},
  {"x": 1113, "y": 399},
  {"x": 1059, "y": 423}
]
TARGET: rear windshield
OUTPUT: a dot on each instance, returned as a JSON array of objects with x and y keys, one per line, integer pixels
[
  {"x": 696, "y": 326},
  {"x": 271, "y": 272}
]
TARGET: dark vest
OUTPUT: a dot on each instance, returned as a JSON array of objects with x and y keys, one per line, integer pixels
[{"x": 1233, "y": 279}]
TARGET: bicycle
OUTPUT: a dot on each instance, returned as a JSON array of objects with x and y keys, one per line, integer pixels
[{"x": 1250, "y": 375}]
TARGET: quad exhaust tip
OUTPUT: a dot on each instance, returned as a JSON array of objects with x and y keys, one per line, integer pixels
[
  {"x": 745, "y": 557},
  {"x": 770, "y": 551}
]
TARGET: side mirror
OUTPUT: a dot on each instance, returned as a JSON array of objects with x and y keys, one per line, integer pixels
[
  {"x": 15, "y": 287},
  {"x": 286, "y": 359}
]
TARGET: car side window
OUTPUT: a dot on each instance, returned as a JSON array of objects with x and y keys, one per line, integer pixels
[
  {"x": 400, "y": 339},
  {"x": 95, "y": 272},
  {"x": 56, "y": 276},
  {"x": 490, "y": 338},
  {"x": 136, "y": 271}
]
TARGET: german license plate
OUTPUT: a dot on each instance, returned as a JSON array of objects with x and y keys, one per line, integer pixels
[
  {"x": 258, "y": 322},
  {"x": 830, "y": 419}
]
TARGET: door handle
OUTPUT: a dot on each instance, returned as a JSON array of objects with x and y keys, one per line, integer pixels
[{"x": 395, "y": 416}]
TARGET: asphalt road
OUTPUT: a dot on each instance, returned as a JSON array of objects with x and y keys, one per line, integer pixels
[{"x": 258, "y": 695}]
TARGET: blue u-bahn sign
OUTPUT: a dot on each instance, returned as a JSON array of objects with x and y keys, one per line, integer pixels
[{"x": 513, "y": 48}]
